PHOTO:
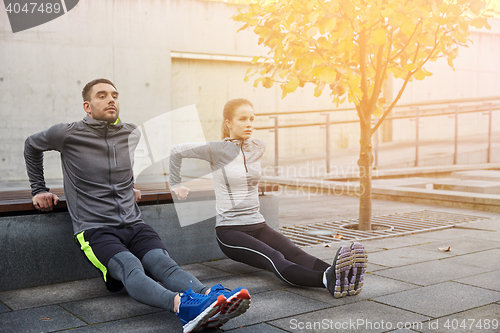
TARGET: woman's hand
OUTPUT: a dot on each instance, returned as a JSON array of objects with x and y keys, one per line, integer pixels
[{"x": 181, "y": 192}]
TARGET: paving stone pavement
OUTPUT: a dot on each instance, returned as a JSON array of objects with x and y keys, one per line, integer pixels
[{"x": 410, "y": 286}]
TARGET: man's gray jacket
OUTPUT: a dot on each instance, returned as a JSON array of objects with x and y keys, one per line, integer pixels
[{"x": 97, "y": 160}]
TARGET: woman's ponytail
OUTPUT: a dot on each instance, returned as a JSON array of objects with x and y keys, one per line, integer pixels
[{"x": 224, "y": 130}]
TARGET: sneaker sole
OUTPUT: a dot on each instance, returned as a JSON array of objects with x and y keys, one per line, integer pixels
[
  {"x": 359, "y": 260},
  {"x": 342, "y": 267},
  {"x": 202, "y": 318},
  {"x": 234, "y": 306}
]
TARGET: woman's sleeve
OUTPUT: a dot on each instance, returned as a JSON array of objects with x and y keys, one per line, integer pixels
[
  {"x": 217, "y": 153},
  {"x": 260, "y": 145},
  {"x": 186, "y": 150}
]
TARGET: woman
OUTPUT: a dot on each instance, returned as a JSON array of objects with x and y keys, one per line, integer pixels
[{"x": 241, "y": 230}]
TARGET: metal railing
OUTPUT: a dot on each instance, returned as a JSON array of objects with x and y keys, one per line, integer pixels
[{"x": 413, "y": 111}]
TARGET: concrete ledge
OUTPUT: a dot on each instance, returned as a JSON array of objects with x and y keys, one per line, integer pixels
[
  {"x": 484, "y": 175},
  {"x": 474, "y": 186},
  {"x": 327, "y": 186},
  {"x": 38, "y": 249},
  {"x": 479, "y": 201},
  {"x": 419, "y": 171}
]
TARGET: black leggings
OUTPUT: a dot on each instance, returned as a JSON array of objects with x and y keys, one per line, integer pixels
[{"x": 260, "y": 246}]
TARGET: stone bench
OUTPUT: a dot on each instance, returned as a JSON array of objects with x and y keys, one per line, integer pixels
[
  {"x": 468, "y": 185},
  {"x": 38, "y": 248}
]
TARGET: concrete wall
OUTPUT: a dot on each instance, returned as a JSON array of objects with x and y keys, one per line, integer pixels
[
  {"x": 476, "y": 74},
  {"x": 38, "y": 249},
  {"x": 43, "y": 69}
]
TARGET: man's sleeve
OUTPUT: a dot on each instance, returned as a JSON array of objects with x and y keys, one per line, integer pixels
[{"x": 34, "y": 146}]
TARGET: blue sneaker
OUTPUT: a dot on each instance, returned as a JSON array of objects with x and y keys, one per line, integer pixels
[
  {"x": 237, "y": 303},
  {"x": 195, "y": 309},
  {"x": 337, "y": 274}
]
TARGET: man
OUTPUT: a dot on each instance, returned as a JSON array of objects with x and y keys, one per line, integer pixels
[{"x": 97, "y": 158}]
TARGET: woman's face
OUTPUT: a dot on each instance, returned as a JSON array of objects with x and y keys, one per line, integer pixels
[{"x": 241, "y": 126}]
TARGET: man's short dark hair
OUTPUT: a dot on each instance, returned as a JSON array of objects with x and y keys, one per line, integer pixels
[{"x": 88, "y": 87}]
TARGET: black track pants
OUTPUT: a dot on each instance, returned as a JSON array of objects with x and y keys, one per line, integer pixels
[{"x": 260, "y": 246}]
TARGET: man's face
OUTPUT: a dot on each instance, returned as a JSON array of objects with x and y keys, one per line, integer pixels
[{"x": 103, "y": 104}]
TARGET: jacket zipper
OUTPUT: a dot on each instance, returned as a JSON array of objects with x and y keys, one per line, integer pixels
[
  {"x": 118, "y": 208},
  {"x": 244, "y": 158},
  {"x": 114, "y": 154}
]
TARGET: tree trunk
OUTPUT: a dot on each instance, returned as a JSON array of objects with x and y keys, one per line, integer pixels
[{"x": 365, "y": 168}]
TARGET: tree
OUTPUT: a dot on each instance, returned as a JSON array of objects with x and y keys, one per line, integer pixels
[{"x": 351, "y": 46}]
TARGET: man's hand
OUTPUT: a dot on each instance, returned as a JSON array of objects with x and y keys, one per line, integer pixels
[
  {"x": 181, "y": 192},
  {"x": 137, "y": 195},
  {"x": 45, "y": 201}
]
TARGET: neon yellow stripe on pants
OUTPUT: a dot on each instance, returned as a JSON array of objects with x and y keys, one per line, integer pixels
[{"x": 90, "y": 254}]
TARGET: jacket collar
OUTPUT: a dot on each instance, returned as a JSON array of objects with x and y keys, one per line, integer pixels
[
  {"x": 239, "y": 142},
  {"x": 102, "y": 128},
  {"x": 101, "y": 123}
]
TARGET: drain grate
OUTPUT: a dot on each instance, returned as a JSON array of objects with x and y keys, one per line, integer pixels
[{"x": 401, "y": 224}]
